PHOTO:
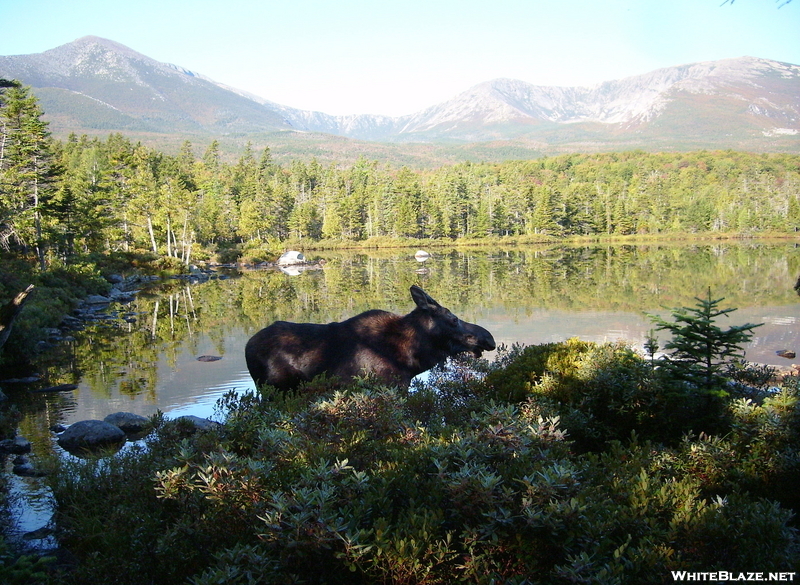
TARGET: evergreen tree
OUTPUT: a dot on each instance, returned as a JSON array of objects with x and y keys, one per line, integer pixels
[
  {"x": 542, "y": 219},
  {"x": 266, "y": 166},
  {"x": 82, "y": 207},
  {"x": 700, "y": 347},
  {"x": 211, "y": 158},
  {"x": 622, "y": 221},
  {"x": 305, "y": 222},
  {"x": 482, "y": 223},
  {"x": 144, "y": 201},
  {"x": 27, "y": 170},
  {"x": 185, "y": 163},
  {"x": 405, "y": 205}
]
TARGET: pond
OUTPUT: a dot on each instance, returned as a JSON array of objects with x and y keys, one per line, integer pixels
[
  {"x": 148, "y": 362},
  {"x": 143, "y": 358}
]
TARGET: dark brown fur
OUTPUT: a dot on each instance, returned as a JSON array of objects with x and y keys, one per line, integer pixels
[{"x": 391, "y": 347}]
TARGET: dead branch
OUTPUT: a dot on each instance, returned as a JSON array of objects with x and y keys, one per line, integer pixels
[{"x": 10, "y": 311}]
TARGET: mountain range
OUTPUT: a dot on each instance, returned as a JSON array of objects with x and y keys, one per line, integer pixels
[{"x": 97, "y": 86}]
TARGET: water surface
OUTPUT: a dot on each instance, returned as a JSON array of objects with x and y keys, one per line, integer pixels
[{"x": 522, "y": 295}]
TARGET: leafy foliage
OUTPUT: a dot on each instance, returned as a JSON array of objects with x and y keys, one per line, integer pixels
[
  {"x": 601, "y": 392},
  {"x": 22, "y": 569},
  {"x": 365, "y": 484}
]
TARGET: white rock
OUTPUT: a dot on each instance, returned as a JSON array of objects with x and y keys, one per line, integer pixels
[{"x": 291, "y": 257}]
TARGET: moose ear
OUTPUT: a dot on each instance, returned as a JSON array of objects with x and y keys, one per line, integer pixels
[{"x": 422, "y": 299}]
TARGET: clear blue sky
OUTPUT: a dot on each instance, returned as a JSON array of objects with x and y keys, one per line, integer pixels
[{"x": 382, "y": 57}]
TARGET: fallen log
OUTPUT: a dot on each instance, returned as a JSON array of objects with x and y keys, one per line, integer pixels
[
  {"x": 59, "y": 388},
  {"x": 10, "y": 311}
]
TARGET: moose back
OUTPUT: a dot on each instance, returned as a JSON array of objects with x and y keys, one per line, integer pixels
[{"x": 393, "y": 348}]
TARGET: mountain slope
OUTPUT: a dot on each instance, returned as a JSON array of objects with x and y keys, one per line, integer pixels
[
  {"x": 744, "y": 98},
  {"x": 96, "y": 85}
]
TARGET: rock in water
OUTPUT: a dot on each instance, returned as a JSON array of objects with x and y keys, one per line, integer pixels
[
  {"x": 290, "y": 258},
  {"x": 128, "y": 422},
  {"x": 17, "y": 446},
  {"x": 59, "y": 388},
  {"x": 91, "y": 435},
  {"x": 201, "y": 424}
]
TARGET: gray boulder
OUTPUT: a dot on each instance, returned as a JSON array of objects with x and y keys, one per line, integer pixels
[
  {"x": 128, "y": 421},
  {"x": 91, "y": 435},
  {"x": 24, "y": 468},
  {"x": 17, "y": 446},
  {"x": 201, "y": 424},
  {"x": 97, "y": 300}
]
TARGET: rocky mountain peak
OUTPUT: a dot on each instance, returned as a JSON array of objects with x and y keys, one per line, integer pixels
[{"x": 748, "y": 98}]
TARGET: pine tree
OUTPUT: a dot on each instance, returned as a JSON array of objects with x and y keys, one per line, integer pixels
[
  {"x": 403, "y": 210},
  {"x": 701, "y": 348},
  {"x": 542, "y": 220},
  {"x": 27, "y": 170}
]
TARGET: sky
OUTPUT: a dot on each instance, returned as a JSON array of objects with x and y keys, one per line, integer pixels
[{"x": 395, "y": 58}]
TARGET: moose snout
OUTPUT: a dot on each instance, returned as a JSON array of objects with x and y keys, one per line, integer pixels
[
  {"x": 483, "y": 338},
  {"x": 478, "y": 340}
]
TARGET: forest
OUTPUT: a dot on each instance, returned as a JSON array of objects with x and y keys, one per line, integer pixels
[{"x": 64, "y": 200}]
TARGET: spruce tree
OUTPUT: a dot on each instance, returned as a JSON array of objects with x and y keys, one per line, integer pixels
[
  {"x": 27, "y": 169},
  {"x": 700, "y": 348}
]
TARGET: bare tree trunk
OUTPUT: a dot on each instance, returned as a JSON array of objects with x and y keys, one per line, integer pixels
[
  {"x": 152, "y": 236},
  {"x": 155, "y": 320},
  {"x": 185, "y": 250},
  {"x": 9, "y": 312},
  {"x": 175, "y": 244},
  {"x": 126, "y": 246},
  {"x": 169, "y": 235},
  {"x": 37, "y": 219}
]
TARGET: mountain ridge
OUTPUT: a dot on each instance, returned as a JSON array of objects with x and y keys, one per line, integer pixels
[
  {"x": 629, "y": 101},
  {"x": 95, "y": 84}
]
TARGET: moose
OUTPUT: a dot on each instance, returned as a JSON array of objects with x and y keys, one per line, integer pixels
[{"x": 391, "y": 347}]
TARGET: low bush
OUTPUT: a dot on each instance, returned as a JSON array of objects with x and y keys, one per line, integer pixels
[
  {"x": 18, "y": 569},
  {"x": 367, "y": 484},
  {"x": 603, "y": 392}
]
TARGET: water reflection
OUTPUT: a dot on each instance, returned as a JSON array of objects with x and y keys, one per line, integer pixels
[{"x": 146, "y": 359}]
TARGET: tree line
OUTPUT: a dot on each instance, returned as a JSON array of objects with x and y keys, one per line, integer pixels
[{"x": 62, "y": 199}]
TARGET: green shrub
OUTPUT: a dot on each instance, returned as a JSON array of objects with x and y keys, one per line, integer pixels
[
  {"x": 227, "y": 255},
  {"x": 523, "y": 371},
  {"x": 760, "y": 454},
  {"x": 22, "y": 569},
  {"x": 360, "y": 483},
  {"x": 602, "y": 392}
]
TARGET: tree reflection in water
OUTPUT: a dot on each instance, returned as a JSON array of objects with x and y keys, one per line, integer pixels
[{"x": 146, "y": 360}]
